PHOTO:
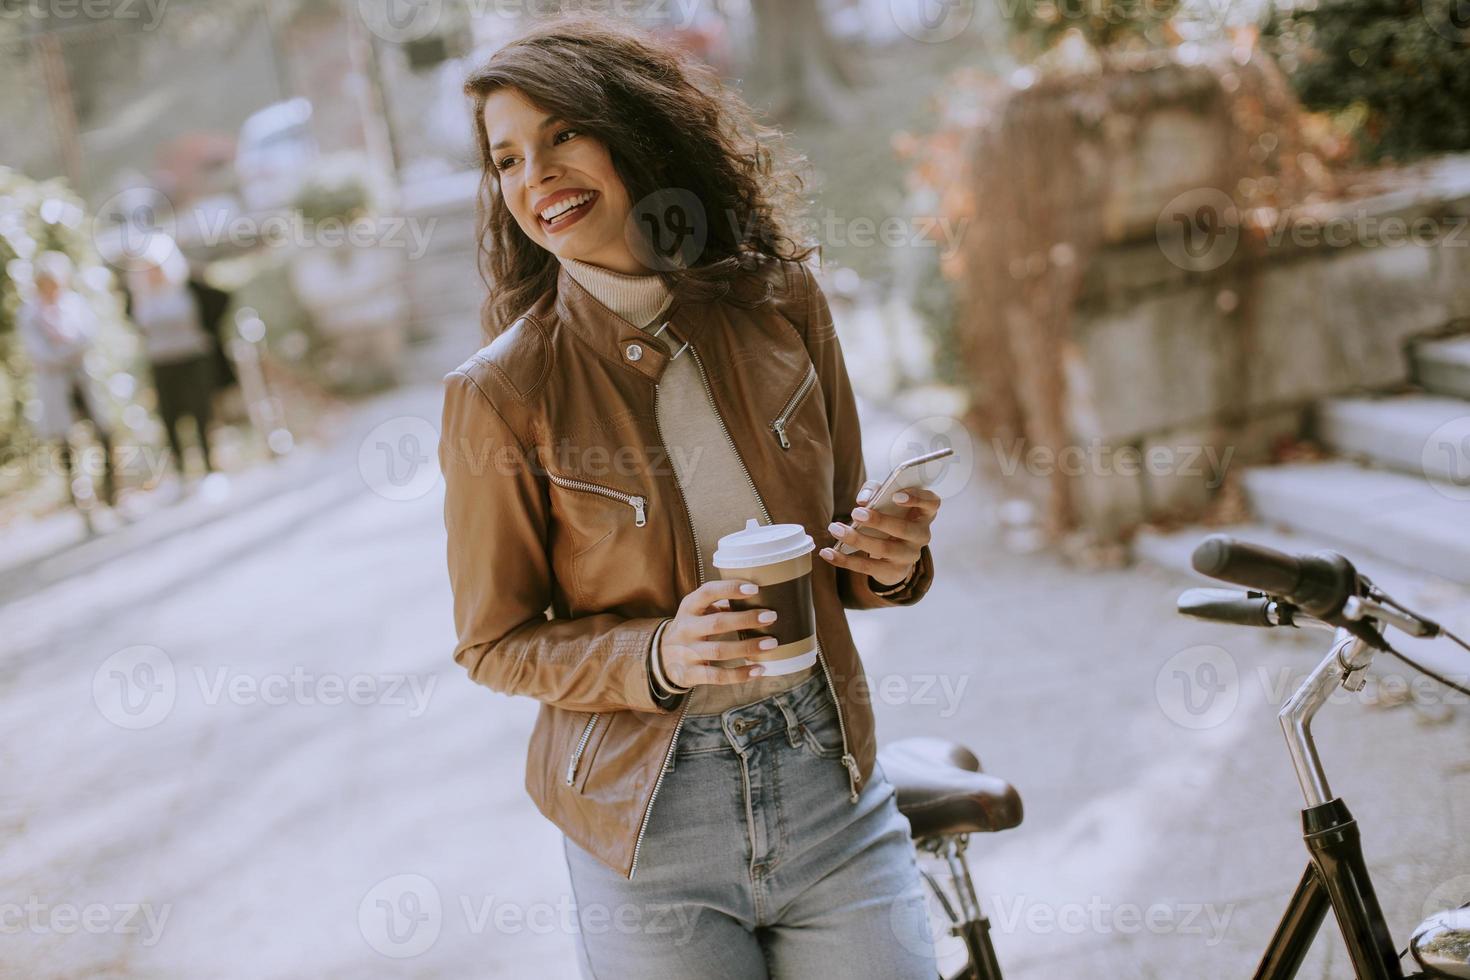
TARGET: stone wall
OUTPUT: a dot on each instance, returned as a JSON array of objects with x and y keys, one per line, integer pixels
[{"x": 1184, "y": 362}]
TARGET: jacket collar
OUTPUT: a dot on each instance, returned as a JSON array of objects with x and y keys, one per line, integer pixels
[{"x": 612, "y": 336}]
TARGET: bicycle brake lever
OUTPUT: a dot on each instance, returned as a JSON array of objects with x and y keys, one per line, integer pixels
[{"x": 1358, "y": 609}]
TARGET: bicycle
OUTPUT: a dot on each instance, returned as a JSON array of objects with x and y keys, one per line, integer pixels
[{"x": 947, "y": 796}]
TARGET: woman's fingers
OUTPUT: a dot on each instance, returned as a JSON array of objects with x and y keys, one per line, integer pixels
[
  {"x": 913, "y": 526},
  {"x": 878, "y": 546},
  {"x": 918, "y": 498},
  {"x": 859, "y": 562}
]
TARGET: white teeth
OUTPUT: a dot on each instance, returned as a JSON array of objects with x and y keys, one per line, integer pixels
[{"x": 563, "y": 206}]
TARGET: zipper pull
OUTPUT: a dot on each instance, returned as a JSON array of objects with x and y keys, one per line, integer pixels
[
  {"x": 638, "y": 516},
  {"x": 853, "y": 776},
  {"x": 780, "y": 426}
]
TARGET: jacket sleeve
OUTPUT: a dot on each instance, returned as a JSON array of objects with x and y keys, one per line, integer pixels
[
  {"x": 849, "y": 472},
  {"x": 496, "y": 513}
]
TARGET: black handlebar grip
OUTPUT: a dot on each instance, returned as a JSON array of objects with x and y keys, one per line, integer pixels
[
  {"x": 1265, "y": 569},
  {"x": 1319, "y": 583},
  {"x": 1225, "y": 606}
]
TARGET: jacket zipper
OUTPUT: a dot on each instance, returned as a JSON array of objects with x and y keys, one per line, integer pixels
[
  {"x": 637, "y": 503},
  {"x": 684, "y": 708},
  {"x": 848, "y": 760},
  {"x": 581, "y": 746},
  {"x": 779, "y": 423}
]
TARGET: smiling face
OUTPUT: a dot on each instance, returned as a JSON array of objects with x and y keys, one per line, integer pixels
[{"x": 547, "y": 167}]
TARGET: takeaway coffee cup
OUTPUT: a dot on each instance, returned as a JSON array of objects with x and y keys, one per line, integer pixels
[{"x": 778, "y": 558}]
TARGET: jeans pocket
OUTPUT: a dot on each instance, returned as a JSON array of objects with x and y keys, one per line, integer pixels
[{"x": 823, "y": 734}]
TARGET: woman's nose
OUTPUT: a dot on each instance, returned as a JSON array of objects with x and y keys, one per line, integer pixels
[{"x": 541, "y": 169}]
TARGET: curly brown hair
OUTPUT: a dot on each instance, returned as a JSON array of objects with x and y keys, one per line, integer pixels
[{"x": 669, "y": 123}]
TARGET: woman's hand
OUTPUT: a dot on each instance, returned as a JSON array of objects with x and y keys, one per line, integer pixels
[
  {"x": 891, "y": 554},
  {"x": 683, "y": 646}
]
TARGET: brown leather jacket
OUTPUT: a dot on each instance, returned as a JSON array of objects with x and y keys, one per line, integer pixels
[{"x": 569, "y": 541}]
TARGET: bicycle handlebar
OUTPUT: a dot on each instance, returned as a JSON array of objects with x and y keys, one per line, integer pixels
[
  {"x": 1319, "y": 582},
  {"x": 1228, "y": 606}
]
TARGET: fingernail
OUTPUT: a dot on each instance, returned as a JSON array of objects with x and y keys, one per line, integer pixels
[
  {"x": 900, "y": 497},
  {"x": 767, "y": 643},
  {"x": 757, "y": 671},
  {"x": 749, "y": 588},
  {"x": 836, "y": 528},
  {"x": 826, "y": 553},
  {"x": 767, "y": 616},
  {"x": 861, "y": 513}
]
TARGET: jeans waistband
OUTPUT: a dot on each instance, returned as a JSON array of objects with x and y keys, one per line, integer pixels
[{"x": 737, "y": 727}]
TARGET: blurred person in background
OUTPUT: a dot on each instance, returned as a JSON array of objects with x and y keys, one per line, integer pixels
[
  {"x": 774, "y": 831},
  {"x": 162, "y": 300},
  {"x": 57, "y": 327}
]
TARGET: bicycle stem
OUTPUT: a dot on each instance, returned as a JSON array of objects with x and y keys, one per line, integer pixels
[{"x": 1348, "y": 656}]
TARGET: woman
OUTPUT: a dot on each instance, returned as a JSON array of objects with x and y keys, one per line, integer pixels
[
  {"x": 57, "y": 327},
  {"x": 180, "y": 351},
  {"x": 643, "y": 396}
]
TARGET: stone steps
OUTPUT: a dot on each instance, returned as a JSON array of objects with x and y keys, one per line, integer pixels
[
  {"x": 1402, "y": 432},
  {"x": 1443, "y": 366},
  {"x": 1394, "y": 516}
]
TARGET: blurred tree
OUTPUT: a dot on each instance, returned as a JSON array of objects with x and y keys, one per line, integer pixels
[
  {"x": 1395, "y": 72},
  {"x": 1109, "y": 27},
  {"x": 798, "y": 69}
]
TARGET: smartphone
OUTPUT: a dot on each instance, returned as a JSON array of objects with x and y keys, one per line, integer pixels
[{"x": 906, "y": 475}]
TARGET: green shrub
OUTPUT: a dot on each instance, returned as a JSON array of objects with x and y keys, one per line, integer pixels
[
  {"x": 340, "y": 187},
  {"x": 1396, "y": 72}
]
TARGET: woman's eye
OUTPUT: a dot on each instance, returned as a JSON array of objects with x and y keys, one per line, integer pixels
[
  {"x": 565, "y": 132},
  {"x": 504, "y": 162}
]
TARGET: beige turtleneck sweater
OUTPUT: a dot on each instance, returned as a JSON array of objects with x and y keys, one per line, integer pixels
[{"x": 719, "y": 495}]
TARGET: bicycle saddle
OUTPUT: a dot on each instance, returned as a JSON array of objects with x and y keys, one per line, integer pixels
[{"x": 942, "y": 790}]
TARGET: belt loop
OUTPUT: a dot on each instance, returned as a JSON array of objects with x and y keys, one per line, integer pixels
[{"x": 793, "y": 727}]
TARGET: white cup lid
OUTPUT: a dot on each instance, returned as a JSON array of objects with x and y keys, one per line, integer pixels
[{"x": 761, "y": 544}]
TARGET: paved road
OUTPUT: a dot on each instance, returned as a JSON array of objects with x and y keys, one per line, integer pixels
[{"x": 234, "y": 756}]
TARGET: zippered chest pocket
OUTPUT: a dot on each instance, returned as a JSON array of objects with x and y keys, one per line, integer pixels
[
  {"x": 598, "y": 532},
  {"x": 638, "y": 502},
  {"x": 781, "y": 425}
]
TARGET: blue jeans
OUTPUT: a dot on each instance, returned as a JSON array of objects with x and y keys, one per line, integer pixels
[{"x": 755, "y": 863}]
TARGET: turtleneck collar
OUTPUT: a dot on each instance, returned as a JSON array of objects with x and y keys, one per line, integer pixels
[{"x": 637, "y": 299}]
